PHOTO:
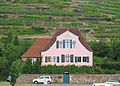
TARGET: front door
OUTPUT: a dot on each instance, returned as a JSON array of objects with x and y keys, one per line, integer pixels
[{"x": 66, "y": 78}]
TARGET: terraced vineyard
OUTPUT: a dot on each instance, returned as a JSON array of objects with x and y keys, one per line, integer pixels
[{"x": 96, "y": 18}]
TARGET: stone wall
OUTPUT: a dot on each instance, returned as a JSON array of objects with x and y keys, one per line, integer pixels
[{"x": 74, "y": 78}]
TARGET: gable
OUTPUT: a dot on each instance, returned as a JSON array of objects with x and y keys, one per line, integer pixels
[
  {"x": 67, "y": 35},
  {"x": 74, "y": 31}
]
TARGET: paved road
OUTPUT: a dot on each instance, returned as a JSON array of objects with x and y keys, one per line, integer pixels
[
  {"x": 46, "y": 85},
  {"x": 8, "y": 84}
]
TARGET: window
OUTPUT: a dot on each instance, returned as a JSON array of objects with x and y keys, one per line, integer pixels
[
  {"x": 74, "y": 44},
  {"x": 77, "y": 59},
  {"x": 66, "y": 58},
  {"x": 52, "y": 59},
  {"x": 41, "y": 78},
  {"x": 47, "y": 77},
  {"x": 66, "y": 44},
  {"x": 61, "y": 44},
  {"x": 86, "y": 59}
]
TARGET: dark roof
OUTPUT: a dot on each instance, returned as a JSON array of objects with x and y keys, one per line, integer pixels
[
  {"x": 34, "y": 50},
  {"x": 74, "y": 31},
  {"x": 43, "y": 44}
]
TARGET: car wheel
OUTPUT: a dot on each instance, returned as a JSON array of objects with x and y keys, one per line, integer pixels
[
  {"x": 48, "y": 82},
  {"x": 36, "y": 82}
]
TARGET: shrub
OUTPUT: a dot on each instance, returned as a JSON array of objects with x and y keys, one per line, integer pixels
[
  {"x": 111, "y": 65},
  {"x": 105, "y": 71}
]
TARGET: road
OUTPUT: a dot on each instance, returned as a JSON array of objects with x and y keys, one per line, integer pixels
[{"x": 8, "y": 84}]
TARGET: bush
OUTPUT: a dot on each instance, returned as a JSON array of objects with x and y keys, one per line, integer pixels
[
  {"x": 111, "y": 65},
  {"x": 105, "y": 71},
  {"x": 53, "y": 69}
]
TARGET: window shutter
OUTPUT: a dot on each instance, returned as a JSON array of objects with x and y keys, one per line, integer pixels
[
  {"x": 70, "y": 43},
  {"x": 76, "y": 59},
  {"x": 71, "y": 58},
  {"x": 87, "y": 59},
  {"x": 63, "y": 43},
  {"x": 46, "y": 59},
  {"x": 57, "y": 45},
  {"x": 62, "y": 58},
  {"x": 57, "y": 59}
]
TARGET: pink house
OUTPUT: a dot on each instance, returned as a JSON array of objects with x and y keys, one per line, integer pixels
[{"x": 66, "y": 47}]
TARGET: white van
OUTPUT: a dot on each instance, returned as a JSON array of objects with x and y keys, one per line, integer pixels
[{"x": 102, "y": 84}]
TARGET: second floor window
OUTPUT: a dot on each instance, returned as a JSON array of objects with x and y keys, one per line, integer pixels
[{"x": 66, "y": 44}]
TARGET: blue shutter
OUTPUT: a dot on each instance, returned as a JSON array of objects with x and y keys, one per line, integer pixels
[
  {"x": 70, "y": 43},
  {"x": 46, "y": 59},
  {"x": 62, "y": 58},
  {"x": 63, "y": 43},
  {"x": 76, "y": 59},
  {"x": 87, "y": 59},
  {"x": 57, "y": 59},
  {"x": 57, "y": 44},
  {"x": 71, "y": 58}
]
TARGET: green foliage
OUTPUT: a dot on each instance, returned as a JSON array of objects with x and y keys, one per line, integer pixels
[
  {"x": 72, "y": 69},
  {"x": 100, "y": 48},
  {"x": 111, "y": 65},
  {"x": 28, "y": 67},
  {"x": 16, "y": 70},
  {"x": 114, "y": 50},
  {"x": 105, "y": 71},
  {"x": 4, "y": 68},
  {"x": 11, "y": 52},
  {"x": 94, "y": 14},
  {"x": 39, "y": 29},
  {"x": 33, "y": 16},
  {"x": 106, "y": 36},
  {"x": 15, "y": 41}
]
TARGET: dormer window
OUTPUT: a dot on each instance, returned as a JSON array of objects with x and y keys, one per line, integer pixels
[{"x": 66, "y": 44}]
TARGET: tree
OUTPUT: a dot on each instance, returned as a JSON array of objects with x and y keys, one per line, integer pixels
[
  {"x": 28, "y": 67},
  {"x": 114, "y": 49},
  {"x": 100, "y": 48},
  {"x": 7, "y": 38},
  {"x": 16, "y": 70},
  {"x": 11, "y": 52},
  {"x": 37, "y": 66},
  {"x": 15, "y": 41},
  {"x": 4, "y": 72}
]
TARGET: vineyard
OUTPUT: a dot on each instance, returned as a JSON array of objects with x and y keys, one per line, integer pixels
[{"x": 95, "y": 18}]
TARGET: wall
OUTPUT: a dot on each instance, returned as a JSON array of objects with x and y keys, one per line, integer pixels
[
  {"x": 74, "y": 78},
  {"x": 80, "y": 50}
]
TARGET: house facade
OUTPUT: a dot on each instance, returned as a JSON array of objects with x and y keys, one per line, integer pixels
[{"x": 66, "y": 47}]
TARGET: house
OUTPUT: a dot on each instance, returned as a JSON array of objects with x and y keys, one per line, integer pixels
[{"x": 66, "y": 47}]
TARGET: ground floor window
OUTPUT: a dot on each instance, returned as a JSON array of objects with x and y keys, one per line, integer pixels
[
  {"x": 67, "y": 58},
  {"x": 52, "y": 59},
  {"x": 86, "y": 59},
  {"x": 82, "y": 59},
  {"x": 77, "y": 59}
]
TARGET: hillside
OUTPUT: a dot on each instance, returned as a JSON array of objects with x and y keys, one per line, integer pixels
[{"x": 97, "y": 19}]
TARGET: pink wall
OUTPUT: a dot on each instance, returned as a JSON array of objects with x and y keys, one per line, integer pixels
[{"x": 79, "y": 51}]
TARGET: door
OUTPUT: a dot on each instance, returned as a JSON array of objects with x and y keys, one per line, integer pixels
[
  {"x": 41, "y": 79},
  {"x": 66, "y": 78}
]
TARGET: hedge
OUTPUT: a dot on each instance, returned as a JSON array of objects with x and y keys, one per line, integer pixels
[{"x": 111, "y": 65}]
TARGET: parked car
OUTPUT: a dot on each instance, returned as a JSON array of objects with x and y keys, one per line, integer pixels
[
  {"x": 9, "y": 79},
  {"x": 102, "y": 84},
  {"x": 114, "y": 83},
  {"x": 42, "y": 79}
]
